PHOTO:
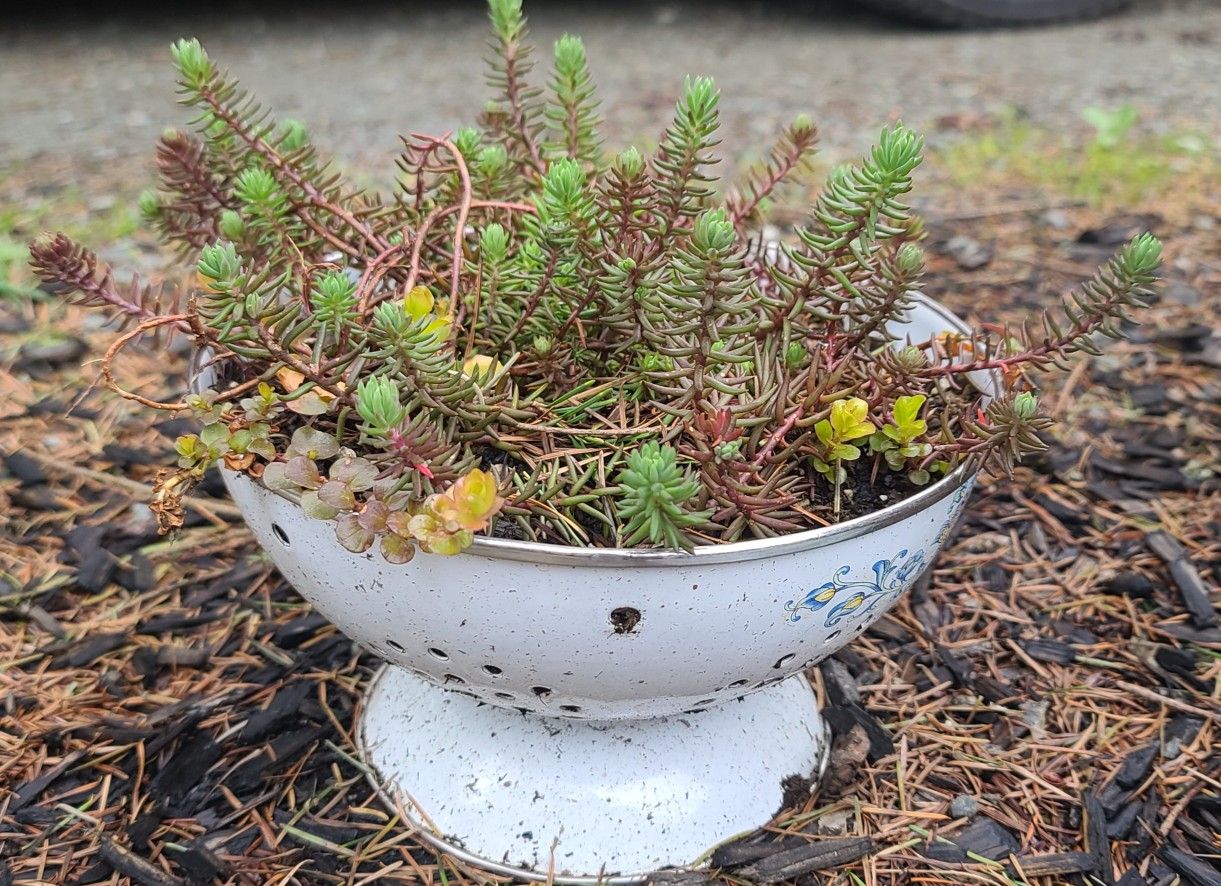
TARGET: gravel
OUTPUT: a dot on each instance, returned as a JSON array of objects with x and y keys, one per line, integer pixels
[{"x": 93, "y": 87}]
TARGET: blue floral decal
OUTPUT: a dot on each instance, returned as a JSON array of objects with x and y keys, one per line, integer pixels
[
  {"x": 956, "y": 506},
  {"x": 890, "y": 578}
]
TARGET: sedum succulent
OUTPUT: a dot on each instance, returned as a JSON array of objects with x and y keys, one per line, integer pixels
[
  {"x": 654, "y": 494},
  {"x": 538, "y": 338}
]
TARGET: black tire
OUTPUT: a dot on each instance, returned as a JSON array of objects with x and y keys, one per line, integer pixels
[{"x": 991, "y": 13}]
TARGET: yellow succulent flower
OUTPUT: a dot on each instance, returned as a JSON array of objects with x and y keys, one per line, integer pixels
[
  {"x": 419, "y": 303},
  {"x": 421, "y": 306}
]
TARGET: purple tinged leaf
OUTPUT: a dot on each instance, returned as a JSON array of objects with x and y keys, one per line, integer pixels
[
  {"x": 399, "y": 522},
  {"x": 352, "y": 535},
  {"x": 383, "y": 489},
  {"x": 373, "y": 517},
  {"x": 358, "y": 474},
  {"x": 397, "y": 549},
  {"x": 275, "y": 477},
  {"x": 313, "y": 443},
  {"x": 337, "y": 495},
  {"x": 316, "y": 509},
  {"x": 303, "y": 472}
]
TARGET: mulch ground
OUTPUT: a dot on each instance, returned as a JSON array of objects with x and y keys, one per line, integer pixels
[{"x": 1044, "y": 708}]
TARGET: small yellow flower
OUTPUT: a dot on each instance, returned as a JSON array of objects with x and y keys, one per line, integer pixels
[
  {"x": 419, "y": 303},
  {"x": 422, "y": 307}
]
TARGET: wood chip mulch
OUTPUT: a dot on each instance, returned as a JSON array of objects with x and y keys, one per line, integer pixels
[{"x": 1044, "y": 708}]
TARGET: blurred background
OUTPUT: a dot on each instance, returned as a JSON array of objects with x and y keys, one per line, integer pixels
[
  {"x": 1050, "y": 133},
  {"x": 85, "y": 89},
  {"x": 1047, "y": 145}
]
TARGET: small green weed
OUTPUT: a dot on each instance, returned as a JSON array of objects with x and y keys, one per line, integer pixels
[
  {"x": 20, "y": 223},
  {"x": 15, "y": 280},
  {"x": 1116, "y": 165}
]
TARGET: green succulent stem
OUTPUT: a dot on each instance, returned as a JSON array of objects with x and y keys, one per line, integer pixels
[
  {"x": 654, "y": 494},
  {"x": 537, "y": 337}
]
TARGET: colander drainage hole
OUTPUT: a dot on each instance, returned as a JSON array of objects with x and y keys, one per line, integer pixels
[
  {"x": 540, "y": 691},
  {"x": 492, "y": 670},
  {"x": 783, "y": 660},
  {"x": 570, "y": 708},
  {"x": 395, "y": 645},
  {"x": 278, "y": 531},
  {"x": 454, "y": 678},
  {"x": 504, "y": 695},
  {"x": 438, "y": 653},
  {"x": 624, "y": 619}
]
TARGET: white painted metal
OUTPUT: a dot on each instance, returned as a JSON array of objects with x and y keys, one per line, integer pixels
[
  {"x": 599, "y": 642},
  {"x": 529, "y": 795},
  {"x": 580, "y": 635}
]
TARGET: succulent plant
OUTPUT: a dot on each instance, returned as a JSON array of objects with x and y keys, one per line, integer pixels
[{"x": 537, "y": 338}]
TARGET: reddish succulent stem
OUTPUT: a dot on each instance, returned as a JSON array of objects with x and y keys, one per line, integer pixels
[
  {"x": 777, "y": 435},
  {"x": 575, "y": 313},
  {"x": 1047, "y": 349},
  {"x": 421, "y": 164},
  {"x": 417, "y": 245},
  {"x": 368, "y": 280},
  {"x": 173, "y": 148},
  {"x": 464, "y": 209},
  {"x": 743, "y": 208},
  {"x": 535, "y": 298},
  {"x": 517, "y": 110},
  {"x": 121, "y": 342},
  {"x": 312, "y": 194},
  {"x": 292, "y": 362}
]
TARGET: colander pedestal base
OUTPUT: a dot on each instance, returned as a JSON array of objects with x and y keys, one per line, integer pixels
[{"x": 583, "y": 801}]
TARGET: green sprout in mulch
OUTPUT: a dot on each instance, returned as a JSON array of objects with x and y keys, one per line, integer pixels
[{"x": 1116, "y": 164}]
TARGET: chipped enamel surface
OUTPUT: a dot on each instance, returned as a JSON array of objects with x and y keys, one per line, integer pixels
[
  {"x": 522, "y": 796},
  {"x": 616, "y": 634},
  {"x": 597, "y": 642},
  {"x": 667, "y": 721}
]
